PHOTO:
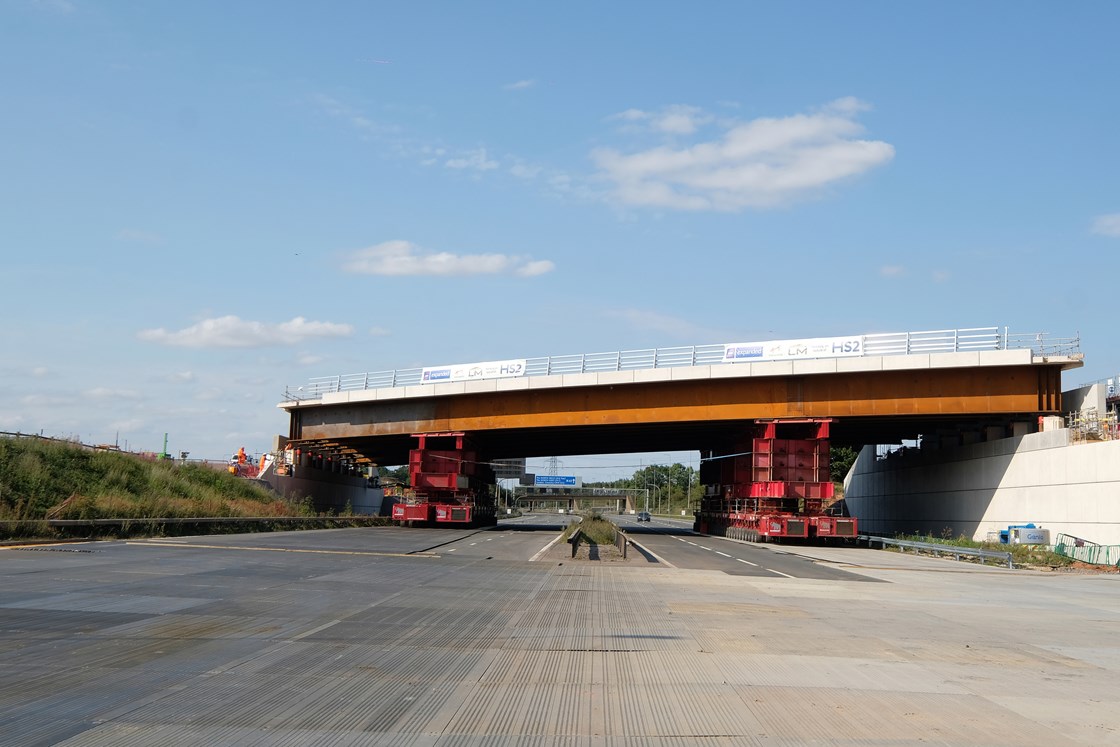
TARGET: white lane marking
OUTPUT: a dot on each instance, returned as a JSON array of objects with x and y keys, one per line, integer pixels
[
  {"x": 691, "y": 543},
  {"x": 545, "y": 548},
  {"x": 779, "y": 573},
  {"x": 473, "y": 544},
  {"x": 490, "y": 539},
  {"x": 452, "y": 550},
  {"x": 747, "y": 562},
  {"x": 656, "y": 557},
  {"x": 723, "y": 554},
  {"x": 313, "y": 631},
  {"x": 704, "y": 548},
  {"x": 680, "y": 539}
]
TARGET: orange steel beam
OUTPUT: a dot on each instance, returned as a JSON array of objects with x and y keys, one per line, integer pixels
[{"x": 941, "y": 392}]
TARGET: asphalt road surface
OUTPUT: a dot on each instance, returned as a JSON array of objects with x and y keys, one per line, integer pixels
[
  {"x": 451, "y": 638},
  {"x": 661, "y": 542}
]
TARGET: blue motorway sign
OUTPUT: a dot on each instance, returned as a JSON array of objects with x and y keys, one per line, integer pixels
[{"x": 546, "y": 480}]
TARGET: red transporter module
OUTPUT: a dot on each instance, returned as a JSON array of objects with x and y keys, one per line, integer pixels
[
  {"x": 450, "y": 484},
  {"x": 773, "y": 487}
]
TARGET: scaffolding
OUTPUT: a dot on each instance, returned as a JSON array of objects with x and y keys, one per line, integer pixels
[{"x": 1089, "y": 425}]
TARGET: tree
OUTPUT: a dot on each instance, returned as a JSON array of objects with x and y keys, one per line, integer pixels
[
  {"x": 400, "y": 474},
  {"x": 841, "y": 459}
]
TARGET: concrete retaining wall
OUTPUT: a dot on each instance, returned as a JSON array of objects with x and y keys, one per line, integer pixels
[
  {"x": 972, "y": 490},
  {"x": 329, "y": 492}
]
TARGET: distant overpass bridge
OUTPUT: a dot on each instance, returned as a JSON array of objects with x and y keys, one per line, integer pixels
[{"x": 890, "y": 388}]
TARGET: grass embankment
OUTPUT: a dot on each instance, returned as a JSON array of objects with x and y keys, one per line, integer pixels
[
  {"x": 42, "y": 480},
  {"x": 1021, "y": 555},
  {"x": 596, "y": 530}
]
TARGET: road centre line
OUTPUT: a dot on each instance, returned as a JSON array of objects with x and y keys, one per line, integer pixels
[
  {"x": 747, "y": 562},
  {"x": 723, "y": 554}
]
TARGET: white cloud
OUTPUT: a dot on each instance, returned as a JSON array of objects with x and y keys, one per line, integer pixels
[
  {"x": 307, "y": 359},
  {"x": 40, "y": 372},
  {"x": 181, "y": 377},
  {"x": 11, "y": 422},
  {"x": 520, "y": 85},
  {"x": 761, "y": 163},
  {"x": 675, "y": 119},
  {"x": 1107, "y": 225},
  {"x": 133, "y": 424},
  {"x": 631, "y": 115},
  {"x": 398, "y": 258},
  {"x": 892, "y": 271},
  {"x": 941, "y": 276},
  {"x": 475, "y": 159},
  {"x": 523, "y": 170},
  {"x": 233, "y": 332},
  {"x": 355, "y": 118},
  {"x": 45, "y": 400},
  {"x": 114, "y": 394},
  {"x": 379, "y": 332},
  {"x": 532, "y": 269}
]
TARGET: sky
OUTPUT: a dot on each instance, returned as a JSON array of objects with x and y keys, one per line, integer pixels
[{"x": 204, "y": 203}]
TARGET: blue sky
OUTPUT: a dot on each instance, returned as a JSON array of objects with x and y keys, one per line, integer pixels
[{"x": 201, "y": 203}]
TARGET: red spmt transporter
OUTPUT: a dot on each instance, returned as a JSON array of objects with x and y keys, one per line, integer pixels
[
  {"x": 771, "y": 487},
  {"x": 450, "y": 485}
]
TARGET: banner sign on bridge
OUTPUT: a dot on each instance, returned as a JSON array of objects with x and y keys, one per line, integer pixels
[
  {"x": 784, "y": 350},
  {"x": 472, "y": 371}
]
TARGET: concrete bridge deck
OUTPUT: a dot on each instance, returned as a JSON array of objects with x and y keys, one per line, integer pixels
[{"x": 873, "y": 399}]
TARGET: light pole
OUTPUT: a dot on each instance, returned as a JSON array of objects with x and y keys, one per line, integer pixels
[{"x": 668, "y": 481}]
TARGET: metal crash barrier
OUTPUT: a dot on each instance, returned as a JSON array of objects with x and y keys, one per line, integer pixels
[{"x": 956, "y": 552}]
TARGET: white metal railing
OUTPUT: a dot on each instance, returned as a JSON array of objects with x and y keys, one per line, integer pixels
[{"x": 893, "y": 343}]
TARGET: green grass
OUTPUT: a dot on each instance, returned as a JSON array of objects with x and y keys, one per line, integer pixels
[
  {"x": 596, "y": 530},
  {"x": 54, "y": 480}
]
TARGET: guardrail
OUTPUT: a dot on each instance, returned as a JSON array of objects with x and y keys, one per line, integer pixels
[
  {"x": 574, "y": 540},
  {"x": 169, "y": 521},
  {"x": 936, "y": 549},
  {"x": 892, "y": 343},
  {"x": 621, "y": 541}
]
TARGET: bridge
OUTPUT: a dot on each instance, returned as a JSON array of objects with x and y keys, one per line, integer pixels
[{"x": 876, "y": 389}]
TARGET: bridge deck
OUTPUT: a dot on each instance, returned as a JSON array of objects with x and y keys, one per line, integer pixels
[{"x": 875, "y": 399}]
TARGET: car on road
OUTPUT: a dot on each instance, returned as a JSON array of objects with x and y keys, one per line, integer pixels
[{"x": 643, "y": 516}]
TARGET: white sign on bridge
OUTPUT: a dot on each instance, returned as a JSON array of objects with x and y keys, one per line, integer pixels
[
  {"x": 472, "y": 371},
  {"x": 784, "y": 350}
]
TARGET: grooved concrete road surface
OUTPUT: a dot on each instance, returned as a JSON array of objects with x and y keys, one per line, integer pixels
[{"x": 441, "y": 637}]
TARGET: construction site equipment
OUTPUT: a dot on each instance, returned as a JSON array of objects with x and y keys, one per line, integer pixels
[
  {"x": 1086, "y": 551},
  {"x": 1091, "y": 425},
  {"x": 450, "y": 486},
  {"x": 771, "y": 487}
]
